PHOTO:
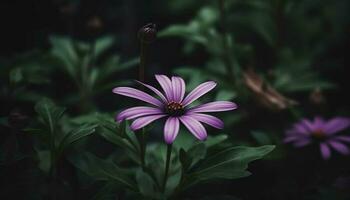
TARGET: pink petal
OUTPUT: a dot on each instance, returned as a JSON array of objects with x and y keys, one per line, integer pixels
[
  {"x": 208, "y": 119},
  {"x": 136, "y": 112},
  {"x": 342, "y": 138},
  {"x": 179, "y": 88},
  {"x": 144, "y": 121},
  {"x": 318, "y": 123},
  {"x": 325, "y": 151},
  {"x": 157, "y": 92},
  {"x": 301, "y": 129},
  {"x": 340, "y": 147},
  {"x": 337, "y": 124},
  {"x": 194, "y": 126},
  {"x": 171, "y": 129},
  {"x": 166, "y": 85},
  {"x": 216, "y": 106},
  {"x": 307, "y": 124},
  {"x": 137, "y": 94},
  {"x": 292, "y": 138},
  {"x": 301, "y": 142},
  {"x": 199, "y": 91}
]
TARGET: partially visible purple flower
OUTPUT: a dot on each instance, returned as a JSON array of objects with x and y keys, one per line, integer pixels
[
  {"x": 322, "y": 132},
  {"x": 174, "y": 105}
]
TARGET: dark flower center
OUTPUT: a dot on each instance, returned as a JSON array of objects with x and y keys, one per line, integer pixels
[
  {"x": 174, "y": 109},
  {"x": 319, "y": 134}
]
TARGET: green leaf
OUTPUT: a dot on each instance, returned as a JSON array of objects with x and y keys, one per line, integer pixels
[
  {"x": 49, "y": 113},
  {"x": 75, "y": 135},
  {"x": 145, "y": 183},
  {"x": 196, "y": 153},
  {"x": 117, "y": 135},
  {"x": 63, "y": 49},
  {"x": 214, "y": 140},
  {"x": 103, "y": 170},
  {"x": 102, "y": 44},
  {"x": 193, "y": 155},
  {"x": 229, "y": 163},
  {"x": 261, "y": 137}
]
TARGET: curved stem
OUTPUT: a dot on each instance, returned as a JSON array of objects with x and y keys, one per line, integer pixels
[
  {"x": 167, "y": 165},
  {"x": 143, "y": 56}
]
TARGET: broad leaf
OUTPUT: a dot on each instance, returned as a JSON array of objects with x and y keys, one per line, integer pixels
[
  {"x": 75, "y": 135},
  {"x": 103, "y": 170},
  {"x": 49, "y": 113},
  {"x": 229, "y": 163}
]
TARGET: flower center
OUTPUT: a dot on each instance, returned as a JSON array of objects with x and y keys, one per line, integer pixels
[
  {"x": 174, "y": 108},
  {"x": 319, "y": 134}
]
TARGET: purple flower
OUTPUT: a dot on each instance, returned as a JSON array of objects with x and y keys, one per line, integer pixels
[
  {"x": 174, "y": 105},
  {"x": 322, "y": 132}
]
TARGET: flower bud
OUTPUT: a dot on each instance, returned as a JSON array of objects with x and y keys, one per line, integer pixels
[
  {"x": 148, "y": 33},
  {"x": 317, "y": 97},
  {"x": 94, "y": 25}
]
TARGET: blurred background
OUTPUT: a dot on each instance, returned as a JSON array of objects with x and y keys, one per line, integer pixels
[{"x": 279, "y": 60}]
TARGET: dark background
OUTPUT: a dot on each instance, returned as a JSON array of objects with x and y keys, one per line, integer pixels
[{"x": 26, "y": 25}]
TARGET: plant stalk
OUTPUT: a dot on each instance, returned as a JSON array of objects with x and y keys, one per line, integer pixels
[
  {"x": 167, "y": 165},
  {"x": 143, "y": 56},
  {"x": 141, "y": 139}
]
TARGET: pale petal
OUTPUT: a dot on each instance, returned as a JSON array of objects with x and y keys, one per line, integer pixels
[
  {"x": 342, "y": 138},
  {"x": 171, "y": 129},
  {"x": 194, "y": 126},
  {"x": 144, "y": 121},
  {"x": 166, "y": 85},
  {"x": 216, "y": 106},
  {"x": 340, "y": 147},
  {"x": 136, "y": 112},
  {"x": 199, "y": 91},
  {"x": 337, "y": 124},
  {"x": 179, "y": 88},
  {"x": 155, "y": 90},
  {"x": 301, "y": 142},
  {"x": 208, "y": 119},
  {"x": 137, "y": 94},
  {"x": 325, "y": 151},
  {"x": 318, "y": 123}
]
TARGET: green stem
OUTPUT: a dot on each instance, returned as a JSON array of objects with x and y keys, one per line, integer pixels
[
  {"x": 167, "y": 165},
  {"x": 141, "y": 138},
  {"x": 143, "y": 56}
]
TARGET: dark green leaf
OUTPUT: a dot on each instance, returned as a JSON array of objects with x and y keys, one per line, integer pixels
[
  {"x": 102, "y": 44},
  {"x": 100, "y": 169},
  {"x": 75, "y": 135},
  {"x": 145, "y": 183},
  {"x": 49, "y": 113},
  {"x": 229, "y": 163}
]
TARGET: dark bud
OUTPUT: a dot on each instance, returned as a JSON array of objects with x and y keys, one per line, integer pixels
[
  {"x": 94, "y": 25},
  {"x": 317, "y": 97},
  {"x": 148, "y": 33},
  {"x": 17, "y": 120}
]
